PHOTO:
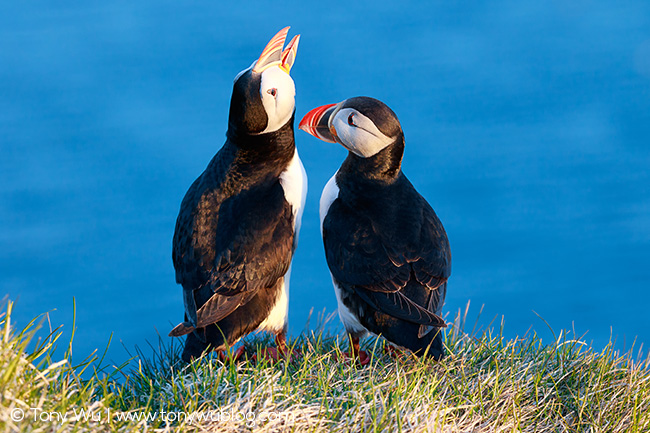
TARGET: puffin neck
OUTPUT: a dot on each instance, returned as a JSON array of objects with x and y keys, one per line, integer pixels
[
  {"x": 276, "y": 146},
  {"x": 385, "y": 166}
]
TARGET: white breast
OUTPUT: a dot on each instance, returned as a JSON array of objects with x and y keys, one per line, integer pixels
[
  {"x": 294, "y": 184},
  {"x": 330, "y": 193},
  {"x": 277, "y": 318},
  {"x": 349, "y": 319}
]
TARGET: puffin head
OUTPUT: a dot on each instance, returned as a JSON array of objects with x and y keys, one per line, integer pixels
[
  {"x": 365, "y": 126},
  {"x": 263, "y": 95}
]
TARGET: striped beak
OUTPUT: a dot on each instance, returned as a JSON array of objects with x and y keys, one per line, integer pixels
[
  {"x": 289, "y": 54},
  {"x": 273, "y": 55},
  {"x": 316, "y": 123}
]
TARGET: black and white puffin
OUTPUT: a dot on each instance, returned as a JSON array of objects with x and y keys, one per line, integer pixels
[
  {"x": 238, "y": 224},
  {"x": 386, "y": 249}
]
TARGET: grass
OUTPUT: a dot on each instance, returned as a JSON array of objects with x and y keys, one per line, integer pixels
[{"x": 486, "y": 384}]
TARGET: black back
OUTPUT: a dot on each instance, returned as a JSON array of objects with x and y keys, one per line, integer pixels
[
  {"x": 387, "y": 249},
  {"x": 234, "y": 232}
]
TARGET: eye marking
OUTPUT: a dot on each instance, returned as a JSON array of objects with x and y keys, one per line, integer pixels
[
  {"x": 272, "y": 92},
  {"x": 351, "y": 120}
]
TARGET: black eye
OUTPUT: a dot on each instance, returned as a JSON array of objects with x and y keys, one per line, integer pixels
[
  {"x": 272, "y": 92},
  {"x": 351, "y": 119}
]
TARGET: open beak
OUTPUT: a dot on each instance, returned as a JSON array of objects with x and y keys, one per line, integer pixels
[
  {"x": 289, "y": 54},
  {"x": 273, "y": 55},
  {"x": 316, "y": 123}
]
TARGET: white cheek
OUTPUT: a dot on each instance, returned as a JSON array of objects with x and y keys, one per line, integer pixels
[
  {"x": 279, "y": 109},
  {"x": 356, "y": 139}
]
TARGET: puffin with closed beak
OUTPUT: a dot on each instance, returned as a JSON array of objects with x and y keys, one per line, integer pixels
[
  {"x": 386, "y": 249},
  {"x": 238, "y": 224}
]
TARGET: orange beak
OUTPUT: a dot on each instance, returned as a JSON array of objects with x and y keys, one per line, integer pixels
[{"x": 316, "y": 123}]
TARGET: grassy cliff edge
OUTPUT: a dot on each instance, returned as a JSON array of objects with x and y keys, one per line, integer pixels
[{"x": 485, "y": 384}]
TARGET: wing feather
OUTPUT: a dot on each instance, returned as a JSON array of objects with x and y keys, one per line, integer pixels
[
  {"x": 396, "y": 304},
  {"x": 235, "y": 249},
  {"x": 376, "y": 254}
]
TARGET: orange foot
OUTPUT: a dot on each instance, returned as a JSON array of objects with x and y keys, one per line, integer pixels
[
  {"x": 273, "y": 355},
  {"x": 234, "y": 355},
  {"x": 394, "y": 352}
]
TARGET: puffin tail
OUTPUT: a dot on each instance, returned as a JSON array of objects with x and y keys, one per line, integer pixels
[
  {"x": 423, "y": 330},
  {"x": 181, "y": 329},
  {"x": 434, "y": 304}
]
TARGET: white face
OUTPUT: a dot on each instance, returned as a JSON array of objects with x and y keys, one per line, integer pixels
[
  {"x": 358, "y": 133},
  {"x": 278, "y": 97}
]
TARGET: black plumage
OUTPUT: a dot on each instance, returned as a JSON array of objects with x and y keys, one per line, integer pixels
[
  {"x": 386, "y": 249},
  {"x": 388, "y": 253},
  {"x": 234, "y": 236}
]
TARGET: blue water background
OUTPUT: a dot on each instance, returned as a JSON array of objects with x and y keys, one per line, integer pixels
[{"x": 527, "y": 127}]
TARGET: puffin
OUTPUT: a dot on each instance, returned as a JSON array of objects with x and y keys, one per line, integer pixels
[
  {"x": 238, "y": 224},
  {"x": 387, "y": 251}
]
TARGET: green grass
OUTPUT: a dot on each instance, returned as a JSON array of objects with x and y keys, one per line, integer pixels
[{"x": 486, "y": 384}]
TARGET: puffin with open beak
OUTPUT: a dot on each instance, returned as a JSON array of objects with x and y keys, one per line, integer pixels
[
  {"x": 386, "y": 249},
  {"x": 238, "y": 224}
]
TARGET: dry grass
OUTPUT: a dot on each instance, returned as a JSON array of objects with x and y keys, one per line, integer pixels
[{"x": 485, "y": 384}]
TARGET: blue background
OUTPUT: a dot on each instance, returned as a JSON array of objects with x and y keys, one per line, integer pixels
[{"x": 527, "y": 127}]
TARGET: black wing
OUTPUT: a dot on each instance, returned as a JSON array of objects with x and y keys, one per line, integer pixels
[
  {"x": 226, "y": 249},
  {"x": 376, "y": 252}
]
